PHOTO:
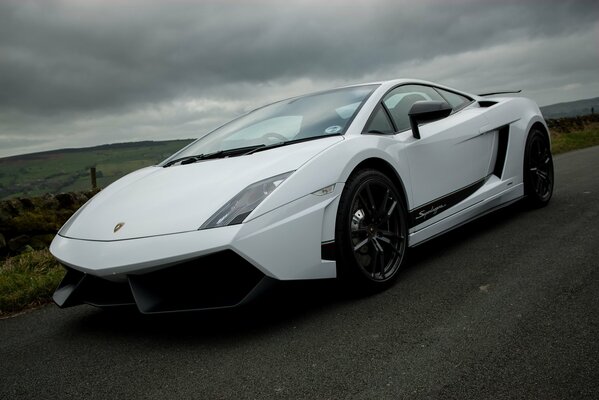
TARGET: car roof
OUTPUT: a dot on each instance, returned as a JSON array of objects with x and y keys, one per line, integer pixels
[{"x": 388, "y": 84}]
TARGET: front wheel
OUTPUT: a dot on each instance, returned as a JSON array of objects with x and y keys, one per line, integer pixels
[
  {"x": 371, "y": 231},
  {"x": 538, "y": 169}
]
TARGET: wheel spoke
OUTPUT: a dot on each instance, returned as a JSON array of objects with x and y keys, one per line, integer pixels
[
  {"x": 538, "y": 186},
  {"x": 393, "y": 205},
  {"x": 363, "y": 201},
  {"x": 372, "y": 205},
  {"x": 378, "y": 246},
  {"x": 382, "y": 265},
  {"x": 389, "y": 234},
  {"x": 361, "y": 244},
  {"x": 380, "y": 258},
  {"x": 359, "y": 230},
  {"x": 383, "y": 206},
  {"x": 374, "y": 262},
  {"x": 391, "y": 246},
  {"x": 389, "y": 212},
  {"x": 383, "y": 239}
]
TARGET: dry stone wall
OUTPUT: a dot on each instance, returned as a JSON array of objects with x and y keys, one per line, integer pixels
[{"x": 31, "y": 223}]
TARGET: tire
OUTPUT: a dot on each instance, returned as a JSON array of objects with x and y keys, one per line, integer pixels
[
  {"x": 538, "y": 169},
  {"x": 371, "y": 231}
]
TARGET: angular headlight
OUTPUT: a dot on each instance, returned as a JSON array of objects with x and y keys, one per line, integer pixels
[{"x": 240, "y": 206}]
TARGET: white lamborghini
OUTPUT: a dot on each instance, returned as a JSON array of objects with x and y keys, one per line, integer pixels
[{"x": 334, "y": 184}]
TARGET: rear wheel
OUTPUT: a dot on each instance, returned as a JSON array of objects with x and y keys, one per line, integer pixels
[
  {"x": 538, "y": 169},
  {"x": 371, "y": 231}
]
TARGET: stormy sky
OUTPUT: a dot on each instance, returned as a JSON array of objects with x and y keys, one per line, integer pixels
[{"x": 83, "y": 73}]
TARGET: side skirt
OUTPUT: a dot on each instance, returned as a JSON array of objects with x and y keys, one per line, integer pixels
[
  {"x": 432, "y": 208},
  {"x": 465, "y": 216}
]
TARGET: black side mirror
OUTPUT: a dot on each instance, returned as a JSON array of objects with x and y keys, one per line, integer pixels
[{"x": 427, "y": 111}]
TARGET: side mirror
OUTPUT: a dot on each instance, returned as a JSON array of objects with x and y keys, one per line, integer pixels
[{"x": 427, "y": 111}]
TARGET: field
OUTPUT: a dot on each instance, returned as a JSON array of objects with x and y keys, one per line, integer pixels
[
  {"x": 569, "y": 134},
  {"x": 69, "y": 170}
]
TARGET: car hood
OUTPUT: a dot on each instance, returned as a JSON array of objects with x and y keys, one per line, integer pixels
[{"x": 160, "y": 201}]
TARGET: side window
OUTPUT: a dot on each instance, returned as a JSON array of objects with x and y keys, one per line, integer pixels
[
  {"x": 456, "y": 101},
  {"x": 400, "y": 100},
  {"x": 380, "y": 122}
]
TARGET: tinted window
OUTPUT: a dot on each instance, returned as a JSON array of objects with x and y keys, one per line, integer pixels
[
  {"x": 400, "y": 100},
  {"x": 456, "y": 101},
  {"x": 380, "y": 122}
]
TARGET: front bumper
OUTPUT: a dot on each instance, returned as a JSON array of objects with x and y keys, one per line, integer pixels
[
  {"x": 219, "y": 280},
  {"x": 189, "y": 270}
]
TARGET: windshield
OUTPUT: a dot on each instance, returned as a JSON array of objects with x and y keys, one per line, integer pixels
[{"x": 300, "y": 118}]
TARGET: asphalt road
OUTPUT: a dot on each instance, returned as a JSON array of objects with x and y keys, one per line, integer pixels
[{"x": 506, "y": 307}]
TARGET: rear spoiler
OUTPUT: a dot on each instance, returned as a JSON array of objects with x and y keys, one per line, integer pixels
[{"x": 504, "y": 92}]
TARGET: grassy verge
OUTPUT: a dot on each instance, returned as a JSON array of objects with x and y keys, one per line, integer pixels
[
  {"x": 563, "y": 141},
  {"x": 28, "y": 280}
]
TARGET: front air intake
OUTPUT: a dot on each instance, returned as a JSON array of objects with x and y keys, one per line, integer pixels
[{"x": 219, "y": 280}]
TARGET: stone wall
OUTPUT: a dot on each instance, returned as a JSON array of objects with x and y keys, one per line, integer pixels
[
  {"x": 31, "y": 223},
  {"x": 569, "y": 124}
]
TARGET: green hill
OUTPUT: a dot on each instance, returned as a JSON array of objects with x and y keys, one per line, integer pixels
[
  {"x": 571, "y": 108},
  {"x": 68, "y": 170}
]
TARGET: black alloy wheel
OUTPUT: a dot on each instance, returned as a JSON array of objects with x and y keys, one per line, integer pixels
[
  {"x": 538, "y": 169},
  {"x": 371, "y": 230}
]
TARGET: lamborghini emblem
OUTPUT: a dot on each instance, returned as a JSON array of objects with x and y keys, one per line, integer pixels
[{"x": 118, "y": 226}]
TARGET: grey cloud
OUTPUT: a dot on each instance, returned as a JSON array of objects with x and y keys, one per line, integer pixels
[
  {"x": 63, "y": 56},
  {"x": 63, "y": 62}
]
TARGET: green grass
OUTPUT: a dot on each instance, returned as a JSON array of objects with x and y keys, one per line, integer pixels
[
  {"x": 69, "y": 170},
  {"x": 562, "y": 142},
  {"x": 28, "y": 280}
]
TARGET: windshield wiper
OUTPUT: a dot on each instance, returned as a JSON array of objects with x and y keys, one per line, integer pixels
[
  {"x": 191, "y": 159},
  {"x": 217, "y": 154},
  {"x": 262, "y": 147},
  {"x": 241, "y": 151}
]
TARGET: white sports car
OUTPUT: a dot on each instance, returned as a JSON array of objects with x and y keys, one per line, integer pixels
[{"x": 334, "y": 184}]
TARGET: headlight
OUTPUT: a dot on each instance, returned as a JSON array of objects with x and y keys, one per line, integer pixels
[{"x": 240, "y": 206}]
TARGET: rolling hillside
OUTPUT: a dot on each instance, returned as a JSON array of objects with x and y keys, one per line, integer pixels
[
  {"x": 571, "y": 108},
  {"x": 67, "y": 170}
]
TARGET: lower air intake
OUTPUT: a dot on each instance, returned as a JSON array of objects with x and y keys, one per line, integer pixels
[{"x": 218, "y": 280}]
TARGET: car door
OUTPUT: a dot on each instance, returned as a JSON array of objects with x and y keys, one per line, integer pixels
[{"x": 450, "y": 160}]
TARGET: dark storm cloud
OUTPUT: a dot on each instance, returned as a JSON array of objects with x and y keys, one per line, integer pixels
[
  {"x": 61, "y": 56},
  {"x": 72, "y": 71}
]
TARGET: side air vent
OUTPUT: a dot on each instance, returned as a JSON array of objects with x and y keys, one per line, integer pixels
[
  {"x": 486, "y": 103},
  {"x": 504, "y": 133}
]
